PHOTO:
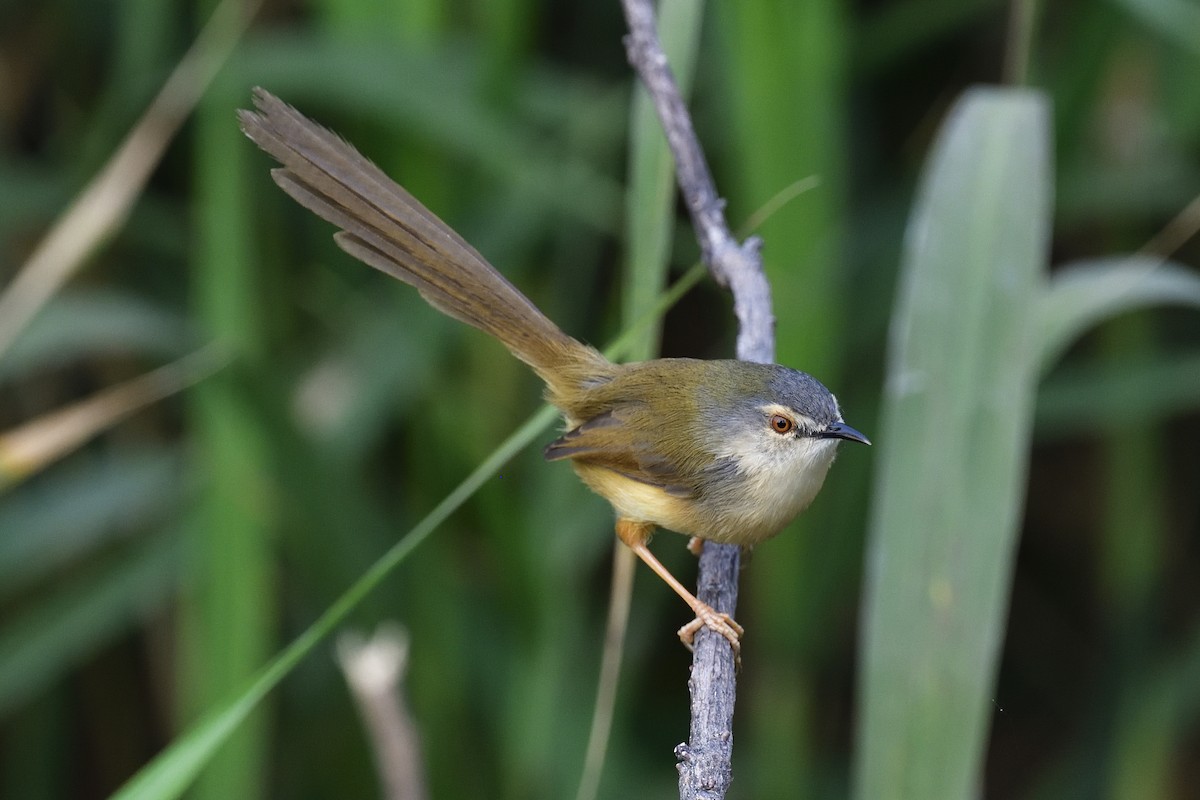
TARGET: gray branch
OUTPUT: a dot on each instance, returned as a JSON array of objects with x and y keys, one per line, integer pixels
[
  {"x": 705, "y": 769},
  {"x": 737, "y": 267}
]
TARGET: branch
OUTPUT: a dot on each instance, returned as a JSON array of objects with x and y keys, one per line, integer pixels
[
  {"x": 705, "y": 769},
  {"x": 737, "y": 267}
]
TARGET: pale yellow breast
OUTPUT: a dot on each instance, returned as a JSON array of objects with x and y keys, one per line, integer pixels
[{"x": 637, "y": 501}]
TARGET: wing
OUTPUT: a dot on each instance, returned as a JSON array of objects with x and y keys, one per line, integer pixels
[{"x": 604, "y": 441}]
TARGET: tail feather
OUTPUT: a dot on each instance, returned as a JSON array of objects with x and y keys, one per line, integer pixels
[{"x": 387, "y": 228}]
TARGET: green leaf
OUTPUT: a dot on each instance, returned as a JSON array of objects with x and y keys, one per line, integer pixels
[
  {"x": 1088, "y": 292},
  {"x": 953, "y": 450},
  {"x": 227, "y": 622}
]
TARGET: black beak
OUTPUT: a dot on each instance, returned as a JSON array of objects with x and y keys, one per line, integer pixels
[{"x": 840, "y": 430}]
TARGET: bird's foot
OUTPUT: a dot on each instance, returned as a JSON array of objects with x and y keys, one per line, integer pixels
[{"x": 716, "y": 621}]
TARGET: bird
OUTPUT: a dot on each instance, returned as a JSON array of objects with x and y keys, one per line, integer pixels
[{"x": 722, "y": 450}]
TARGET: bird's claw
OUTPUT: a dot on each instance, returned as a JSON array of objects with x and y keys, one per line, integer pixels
[{"x": 718, "y": 622}]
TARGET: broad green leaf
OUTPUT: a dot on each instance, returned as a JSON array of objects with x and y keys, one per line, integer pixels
[
  {"x": 953, "y": 448},
  {"x": 1083, "y": 294}
]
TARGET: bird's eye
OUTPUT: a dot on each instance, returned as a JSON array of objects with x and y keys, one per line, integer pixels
[{"x": 781, "y": 424}]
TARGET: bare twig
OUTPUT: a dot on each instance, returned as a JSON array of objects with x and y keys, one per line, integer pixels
[
  {"x": 374, "y": 670},
  {"x": 705, "y": 769},
  {"x": 735, "y": 266}
]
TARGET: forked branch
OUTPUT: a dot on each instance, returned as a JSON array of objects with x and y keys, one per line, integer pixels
[{"x": 705, "y": 769}]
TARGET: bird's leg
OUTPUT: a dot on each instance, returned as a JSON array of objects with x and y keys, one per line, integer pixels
[{"x": 635, "y": 535}]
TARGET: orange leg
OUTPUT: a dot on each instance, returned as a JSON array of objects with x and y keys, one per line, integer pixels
[{"x": 635, "y": 535}]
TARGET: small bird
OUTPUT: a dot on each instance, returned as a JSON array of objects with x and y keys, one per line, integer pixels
[{"x": 724, "y": 451}]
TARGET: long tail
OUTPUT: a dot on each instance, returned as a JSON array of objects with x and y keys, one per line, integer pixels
[{"x": 386, "y": 227}]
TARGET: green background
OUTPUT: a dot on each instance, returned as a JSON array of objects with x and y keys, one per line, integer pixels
[{"x": 145, "y": 576}]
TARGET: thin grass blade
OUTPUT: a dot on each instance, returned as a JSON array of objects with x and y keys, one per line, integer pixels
[{"x": 174, "y": 770}]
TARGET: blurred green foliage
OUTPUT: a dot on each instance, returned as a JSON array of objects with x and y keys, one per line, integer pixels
[
  {"x": 148, "y": 574},
  {"x": 954, "y": 438}
]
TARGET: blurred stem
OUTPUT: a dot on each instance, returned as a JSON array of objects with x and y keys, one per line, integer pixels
[
  {"x": 1131, "y": 566},
  {"x": 375, "y": 669},
  {"x": 227, "y": 613},
  {"x": 1176, "y": 233},
  {"x": 1131, "y": 555},
  {"x": 650, "y": 199},
  {"x": 1021, "y": 24},
  {"x": 620, "y": 597}
]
